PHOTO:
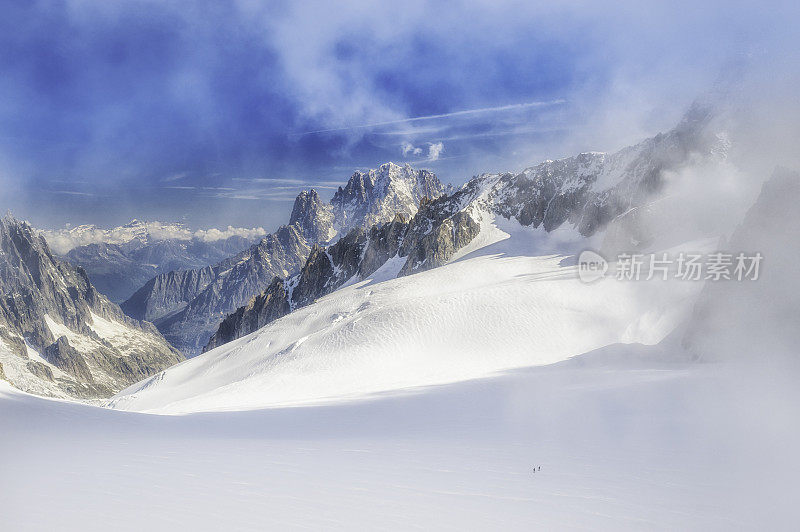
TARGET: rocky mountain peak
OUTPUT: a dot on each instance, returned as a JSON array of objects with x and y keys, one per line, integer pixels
[
  {"x": 375, "y": 196},
  {"x": 58, "y": 335},
  {"x": 312, "y": 216}
]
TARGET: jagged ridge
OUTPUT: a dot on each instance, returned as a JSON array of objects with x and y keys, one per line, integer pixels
[
  {"x": 189, "y": 312},
  {"x": 60, "y": 336}
]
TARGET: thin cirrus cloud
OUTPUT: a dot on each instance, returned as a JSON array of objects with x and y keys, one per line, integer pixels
[
  {"x": 288, "y": 181},
  {"x": 274, "y": 189},
  {"x": 175, "y": 177},
  {"x": 454, "y": 114},
  {"x": 72, "y": 193}
]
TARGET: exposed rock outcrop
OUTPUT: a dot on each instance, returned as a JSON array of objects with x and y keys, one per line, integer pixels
[
  {"x": 313, "y": 217},
  {"x": 376, "y": 196},
  {"x": 67, "y": 359},
  {"x": 235, "y": 282},
  {"x": 58, "y": 335},
  {"x": 165, "y": 294},
  {"x": 266, "y": 307}
]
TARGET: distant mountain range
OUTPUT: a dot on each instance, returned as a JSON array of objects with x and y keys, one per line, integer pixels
[{"x": 120, "y": 260}]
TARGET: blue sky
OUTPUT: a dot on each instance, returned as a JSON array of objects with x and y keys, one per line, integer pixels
[{"x": 218, "y": 113}]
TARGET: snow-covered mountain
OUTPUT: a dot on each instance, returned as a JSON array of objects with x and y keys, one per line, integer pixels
[
  {"x": 491, "y": 289},
  {"x": 583, "y": 194},
  {"x": 371, "y": 197},
  {"x": 495, "y": 308},
  {"x": 187, "y": 306},
  {"x": 377, "y": 196},
  {"x": 120, "y": 260},
  {"x": 58, "y": 335}
]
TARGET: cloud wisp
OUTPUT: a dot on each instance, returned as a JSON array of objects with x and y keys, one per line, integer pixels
[
  {"x": 435, "y": 150},
  {"x": 454, "y": 114}
]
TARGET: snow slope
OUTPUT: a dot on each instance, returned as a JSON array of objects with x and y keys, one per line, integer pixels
[
  {"x": 493, "y": 309},
  {"x": 625, "y": 441}
]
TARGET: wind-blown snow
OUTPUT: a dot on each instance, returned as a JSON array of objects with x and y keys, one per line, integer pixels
[{"x": 492, "y": 310}]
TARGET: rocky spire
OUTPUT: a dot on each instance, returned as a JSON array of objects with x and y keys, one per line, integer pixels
[
  {"x": 313, "y": 217},
  {"x": 376, "y": 196}
]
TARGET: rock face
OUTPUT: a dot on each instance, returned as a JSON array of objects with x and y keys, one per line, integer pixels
[
  {"x": 134, "y": 253},
  {"x": 113, "y": 271},
  {"x": 268, "y": 306},
  {"x": 313, "y": 218},
  {"x": 441, "y": 228},
  {"x": 191, "y": 318},
  {"x": 188, "y": 307},
  {"x": 67, "y": 359},
  {"x": 325, "y": 270},
  {"x": 588, "y": 191},
  {"x": 58, "y": 335},
  {"x": 165, "y": 294},
  {"x": 376, "y": 196}
]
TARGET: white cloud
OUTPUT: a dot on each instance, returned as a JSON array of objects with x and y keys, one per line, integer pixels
[
  {"x": 212, "y": 235},
  {"x": 434, "y": 150},
  {"x": 409, "y": 148},
  {"x": 174, "y": 177},
  {"x": 63, "y": 240}
]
